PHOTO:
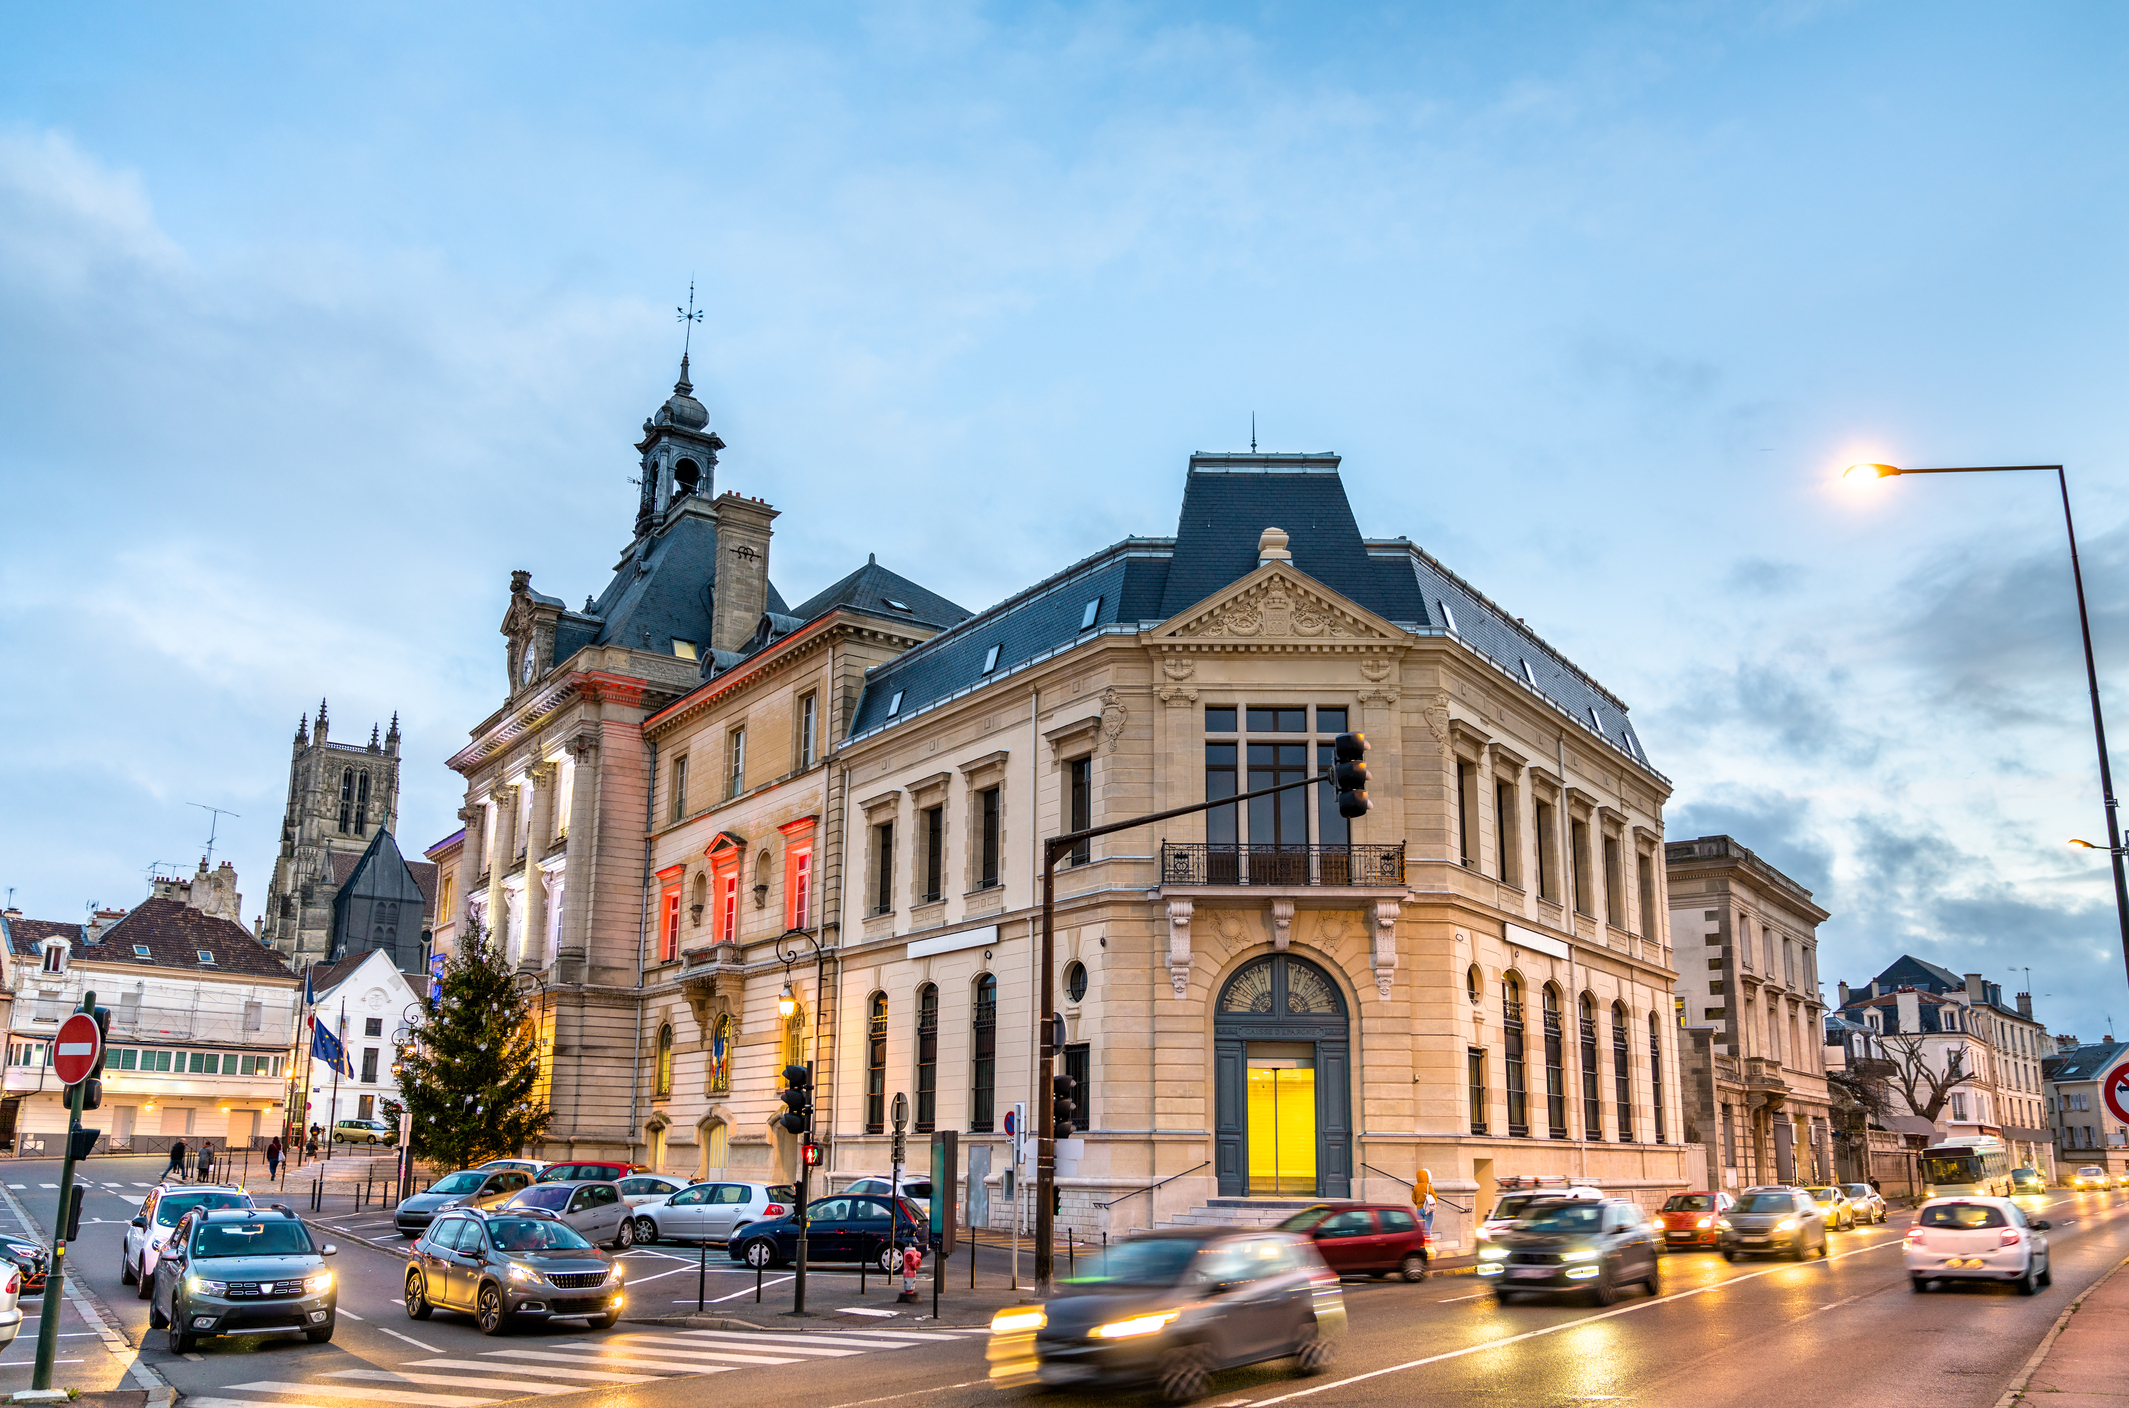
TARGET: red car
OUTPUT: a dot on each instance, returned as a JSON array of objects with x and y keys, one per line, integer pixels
[
  {"x": 1689, "y": 1219},
  {"x": 1379, "y": 1239}
]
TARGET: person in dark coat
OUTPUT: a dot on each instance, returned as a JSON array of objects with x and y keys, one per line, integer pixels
[
  {"x": 206, "y": 1162},
  {"x": 177, "y": 1161},
  {"x": 273, "y": 1158}
]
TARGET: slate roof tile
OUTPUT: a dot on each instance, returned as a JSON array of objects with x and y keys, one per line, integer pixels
[{"x": 174, "y": 934}]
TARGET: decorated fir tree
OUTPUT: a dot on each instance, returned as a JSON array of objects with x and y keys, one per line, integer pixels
[{"x": 471, "y": 1075}]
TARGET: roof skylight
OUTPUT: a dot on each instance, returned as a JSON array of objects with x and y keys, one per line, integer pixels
[
  {"x": 1086, "y": 618},
  {"x": 1450, "y": 617},
  {"x": 990, "y": 658},
  {"x": 140, "y": 950},
  {"x": 1529, "y": 674},
  {"x": 897, "y": 605},
  {"x": 206, "y": 955},
  {"x": 894, "y": 704}
]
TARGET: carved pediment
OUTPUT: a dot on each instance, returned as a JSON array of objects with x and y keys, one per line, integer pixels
[{"x": 1275, "y": 603}]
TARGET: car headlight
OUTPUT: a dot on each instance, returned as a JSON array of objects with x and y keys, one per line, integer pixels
[
  {"x": 1723, "y": 1225},
  {"x": 1018, "y": 1322},
  {"x": 1492, "y": 1252},
  {"x": 1136, "y": 1325},
  {"x": 613, "y": 1272},
  {"x": 323, "y": 1281},
  {"x": 200, "y": 1285},
  {"x": 524, "y": 1276},
  {"x": 1787, "y": 1224},
  {"x": 1706, "y": 1222},
  {"x": 1583, "y": 1254}
]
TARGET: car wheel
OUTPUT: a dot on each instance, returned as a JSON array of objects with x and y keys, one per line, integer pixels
[
  {"x": 180, "y": 1341},
  {"x": 1413, "y": 1267},
  {"x": 1501, "y": 1297},
  {"x": 1315, "y": 1353},
  {"x": 145, "y": 1279},
  {"x": 646, "y": 1232},
  {"x": 156, "y": 1321},
  {"x": 760, "y": 1254},
  {"x": 1654, "y": 1279},
  {"x": 1918, "y": 1284},
  {"x": 1602, "y": 1291},
  {"x": 1183, "y": 1373},
  {"x": 625, "y": 1235},
  {"x": 605, "y": 1322},
  {"x": 488, "y": 1311},
  {"x": 125, "y": 1271},
  {"x": 322, "y": 1334},
  {"x": 1729, "y": 1256},
  {"x": 890, "y": 1260},
  {"x": 418, "y": 1307},
  {"x": 1822, "y": 1246}
]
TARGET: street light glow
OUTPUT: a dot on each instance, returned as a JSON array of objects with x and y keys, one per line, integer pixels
[{"x": 1869, "y": 471}]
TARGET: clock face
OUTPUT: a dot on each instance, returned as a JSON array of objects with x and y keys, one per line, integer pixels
[{"x": 530, "y": 664}]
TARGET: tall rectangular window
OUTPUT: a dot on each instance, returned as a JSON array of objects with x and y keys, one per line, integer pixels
[
  {"x": 883, "y": 868},
  {"x": 1079, "y": 1065},
  {"x": 677, "y": 791},
  {"x": 798, "y": 882},
  {"x": 738, "y": 766},
  {"x": 1512, "y": 1059},
  {"x": 1080, "y": 781},
  {"x": 1622, "y": 1075},
  {"x": 876, "y": 1066},
  {"x": 1505, "y": 850},
  {"x": 1592, "y": 1090},
  {"x": 1222, "y": 824},
  {"x": 1614, "y": 883},
  {"x": 1578, "y": 847},
  {"x": 1282, "y": 819},
  {"x": 809, "y": 710},
  {"x": 1475, "y": 1087},
  {"x": 1645, "y": 870},
  {"x": 934, "y": 852},
  {"x": 1465, "y": 787},
  {"x": 369, "y": 1065},
  {"x": 727, "y": 920},
  {"x": 987, "y": 808},
  {"x": 669, "y": 922},
  {"x": 362, "y": 805},
  {"x": 927, "y": 1057},
  {"x": 983, "y": 1083},
  {"x": 1548, "y": 862},
  {"x": 1555, "y": 1068},
  {"x": 1655, "y": 1072}
]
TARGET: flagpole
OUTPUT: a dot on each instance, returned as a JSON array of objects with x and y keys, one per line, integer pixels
[
  {"x": 310, "y": 1056},
  {"x": 333, "y": 1114}
]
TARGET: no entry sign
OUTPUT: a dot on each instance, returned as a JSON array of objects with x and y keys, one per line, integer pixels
[
  {"x": 2114, "y": 1089},
  {"x": 75, "y": 1050}
]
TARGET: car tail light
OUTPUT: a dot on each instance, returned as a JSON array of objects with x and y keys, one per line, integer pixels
[
  {"x": 1915, "y": 1234},
  {"x": 14, "y": 1282},
  {"x": 2008, "y": 1237},
  {"x": 773, "y": 1210}
]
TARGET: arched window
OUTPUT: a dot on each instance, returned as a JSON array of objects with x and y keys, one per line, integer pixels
[
  {"x": 1555, "y": 1066},
  {"x": 1472, "y": 983},
  {"x": 1655, "y": 1076},
  {"x": 1622, "y": 1073},
  {"x": 983, "y": 1084},
  {"x": 721, "y": 1056},
  {"x": 347, "y": 798},
  {"x": 927, "y": 1057},
  {"x": 687, "y": 478},
  {"x": 362, "y": 803},
  {"x": 1512, "y": 1055},
  {"x": 662, "y": 1079},
  {"x": 876, "y": 1066},
  {"x": 1592, "y": 1093}
]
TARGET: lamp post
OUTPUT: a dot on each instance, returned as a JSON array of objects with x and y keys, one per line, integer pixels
[{"x": 2084, "y": 626}]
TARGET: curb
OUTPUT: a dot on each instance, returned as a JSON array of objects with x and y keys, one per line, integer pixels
[
  {"x": 2017, "y": 1388},
  {"x": 161, "y": 1393}
]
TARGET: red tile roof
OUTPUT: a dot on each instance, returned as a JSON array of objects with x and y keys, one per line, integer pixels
[{"x": 175, "y": 935}]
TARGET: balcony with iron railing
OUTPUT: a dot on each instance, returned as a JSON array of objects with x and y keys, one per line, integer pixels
[{"x": 1191, "y": 865}]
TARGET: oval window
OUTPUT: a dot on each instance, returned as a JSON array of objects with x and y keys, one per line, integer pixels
[{"x": 1075, "y": 976}]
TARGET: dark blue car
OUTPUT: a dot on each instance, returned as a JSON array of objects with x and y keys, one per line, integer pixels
[{"x": 842, "y": 1228}]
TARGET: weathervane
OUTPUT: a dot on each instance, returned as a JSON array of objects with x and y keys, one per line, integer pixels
[
  {"x": 690, "y": 315},
  {"x": 1252, "y": 432}
]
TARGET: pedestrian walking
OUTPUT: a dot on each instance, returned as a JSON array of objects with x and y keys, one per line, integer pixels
[
  {"x": 311, "y": 1149},
  {"x": 206, "y": 1162},
  {"x": 177, "y": 1162},
  {"x": 273, "y": 1158},
  {"x": 1423, "y": 1198}
]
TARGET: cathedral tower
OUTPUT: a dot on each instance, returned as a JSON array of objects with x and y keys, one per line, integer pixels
[{"x": 340, "y": 795}]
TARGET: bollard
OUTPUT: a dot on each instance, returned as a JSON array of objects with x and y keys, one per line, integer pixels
[
  {"x": 702, "y": 1276},
  {"x": 757, "y": 1283},
  {"x": 972, "y": 1256},
  {"x": 910, "y": 1257},
  {"x": 862, "y": 1268}
]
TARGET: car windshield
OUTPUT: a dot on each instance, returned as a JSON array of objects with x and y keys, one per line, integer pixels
[
  {"x": 1512, "y": 1206},
  {"x": 467, "y": 1182},
  {"x": 1690, "y": 1202},
  {"x": 1856, "y": 1190},
  {"x": 1825, "y": 1195},
  {"x": 1962, "y": 1216},
  {"x": 275, "y": 1238},
  {"x": 553, "y": 1199},
  {"x": 176, "y": 1205},
  {"x": 534, "y": 1234},
  {"x": 1564, "y": 1217},
  {"x": 1768, "y": 1202},
  {"x": 1303, "y": 1220},
  {"x": 1148, "y": 1261}
]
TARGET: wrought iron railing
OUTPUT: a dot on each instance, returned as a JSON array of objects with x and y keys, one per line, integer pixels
[{"x": 1203, "y": 863}]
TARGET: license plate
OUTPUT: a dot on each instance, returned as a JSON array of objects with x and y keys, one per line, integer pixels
[
  {"x": 1755, "y": 1241},
  {"x": 1529, "y": 1273},
  {"x": 1064, "y": 1373},
  {"x": 1680, "y": 1236}
]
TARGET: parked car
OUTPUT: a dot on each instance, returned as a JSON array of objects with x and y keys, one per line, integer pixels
[
  {"x": 2026, "y": 1182},
  {"x": 531, "y": 1166},
  {"x": 242, "y": 1271},
  {"x": 471, "y": 1187},
  {"x": 640, "y": 1188},
  {"x": 2090, "y": 1176},
  {"x": 30, "y": 1258},
  {"x": 1174, "y": 1307},
  {"x": 1577, "y": 1247},
  {"x": 1688, "y": 1220},
  {"x": 839, "y": 1228},
  {"x": 1865, "y": 1200},
  {"x": 11, "y": 1306},
  {"x": 917, "y": 1190},
  {"x": 1834, "y": 1206},
  {"x": 587, "y": 1172},
  {"x": 1773, "y": 1220},
  {"x": 506, "y": 1266},
  {"x": 1375, "y": 1238},
  {"x": 1977, "y": 1239},
  {"x": 152, "y": 1226},
  {"x": 712, "y": 1212},
  {"x": 1514, "y": 1205},
  {"x": 363, "y": 1132},
  {"x": 594, "y": 1209}
]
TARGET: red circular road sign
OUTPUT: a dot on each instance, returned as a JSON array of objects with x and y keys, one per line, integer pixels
[
  {"x": 75, "y": 1049},
  {"x": 2114, "y": 1089}
]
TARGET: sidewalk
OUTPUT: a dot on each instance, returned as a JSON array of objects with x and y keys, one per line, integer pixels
[{"x": 2084, "y": 1361}]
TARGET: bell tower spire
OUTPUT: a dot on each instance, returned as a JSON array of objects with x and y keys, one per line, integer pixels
[{"x": 679, "y": 449}]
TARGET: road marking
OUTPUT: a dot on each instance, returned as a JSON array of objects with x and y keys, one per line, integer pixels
[
  {"x": 451, "y": 1380},
  {"x": 781, "y": 1280},
  {"x": 862, "y": 1310},
  {"x": 574, "y": 1375},
  {"x": 47, "y": 1185},
  {"x": 1454, "y": 1299},
  {"x": 785, "y": 1344},
  {"x": 410, "y": 1340},
  {"x": 351, "y": 1315},
  {"x": 195, "y": 1358},
  {"x": 31, "y": 1363},
  {"x": 418, "y": 1400},
  {"x": 665, "y": 1364},
  {"x": 730, "y": 1356},
  {"x": 847, "y": 1339},
  {"x": 659, "y": 1276},
  {"x": 855, "y": 1403}
]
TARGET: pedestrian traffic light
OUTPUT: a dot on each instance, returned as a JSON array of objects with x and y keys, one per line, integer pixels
[
  {"x": 810, "y": 1154},
  {"x": 798, "y": 1100},
  {"x": 1063, "y": 1107},
  {"x": 1349, "y": 774}
]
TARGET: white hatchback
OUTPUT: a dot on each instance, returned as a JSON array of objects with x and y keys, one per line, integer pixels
[
  {"x": 152, "y": 1225},
  {"x": 1977, "y": 1239}
]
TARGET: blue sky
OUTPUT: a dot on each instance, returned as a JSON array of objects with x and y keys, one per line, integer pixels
[{"x": 313, "y": 326}]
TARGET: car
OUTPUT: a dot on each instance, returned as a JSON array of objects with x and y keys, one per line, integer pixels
[
  {"x": 152, "y": 1226},
  {"x": 593, "y": 1209},
  {"x": 1374, "y": 1238},
  {"x": 363, "y": 1132},
  {"x": 2027, "y": 1182},
  {"x": 1171, "y": 1308},
  {"x": 469, "y": 1187},
  {"x": 1833, "y": 1204},
  {"x": 531, "y": 1166},
  {"x": 1576, "y": 1247},
  {"x": 915, "y": 1189},
  {"x": 11, "y": 1293},
  {"x": 1868, "y": 1205},
  {"x": 640, "y": 1188},
  {"x": 1969, "y": 1238},
  {"x": 1687, "y": 1220},
  {"x": 712, "y": 1212},
  {"x": 601, "y": 1169},
  {"x": 242, "y": 1271},
  {"x": 2090, "y": 1176},
  {"x": 30, "y": 1258},
  {"x": 1513, "y": 1205},
  {"x": 838, "y": 1228},
  {"x": 507, "y": 1266},
  {"x": 1775, "y": 1219}
]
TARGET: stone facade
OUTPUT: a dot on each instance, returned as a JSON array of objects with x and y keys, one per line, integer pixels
[{"x": 339, "y": 796}]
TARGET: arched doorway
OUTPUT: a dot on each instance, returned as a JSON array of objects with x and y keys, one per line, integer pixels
[{"x": 1282, "y": 1083}]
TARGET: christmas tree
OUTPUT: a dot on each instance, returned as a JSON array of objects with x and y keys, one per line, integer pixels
[{"x": 471, "y": 1074}]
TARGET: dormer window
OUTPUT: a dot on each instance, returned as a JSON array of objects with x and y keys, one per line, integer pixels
[
  {"x": 55, "y": 956},
  {"x": 1087, "y": 617},
  {"x": 206, "y": 955},
  {"x": 140, "y": 951},
  {"x": 685, "y": 649}
]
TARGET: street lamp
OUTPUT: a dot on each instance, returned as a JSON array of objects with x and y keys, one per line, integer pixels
[{"x": 2084, "y": 625}]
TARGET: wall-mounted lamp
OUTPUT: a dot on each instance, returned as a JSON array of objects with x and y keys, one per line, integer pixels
[{"x": 787, "y": 1001}]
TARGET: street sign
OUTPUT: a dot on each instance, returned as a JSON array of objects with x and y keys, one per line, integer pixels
[
  {"x": 76, "y": 1048},
  {"x": 901, "y": 1110},
  {"x": 2115, "y": 1091}
]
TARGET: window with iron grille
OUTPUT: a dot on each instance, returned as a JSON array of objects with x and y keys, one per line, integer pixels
[
  {"x": 1079, "y": 1065},
  {"x": 1081, "y": 775},
  {"x": 1512, "y": 1058},
  {"x": 987, "y": 804},
  {"x": 1655, "y": 1073},
  {"x": 1475, "y": 1087},
  {"x": 983, "y": 1091},
  {"x": 934, "y": 853},
  {"x": 927, "y": 1058},
  {"x": 1555, "y": 1067},
  {"x": 1622, "y": 1074},
  {"x": 876, "y": 1066},
  {"x": 1592, "y": 1097},
  {"x": 883, "y": 868}
]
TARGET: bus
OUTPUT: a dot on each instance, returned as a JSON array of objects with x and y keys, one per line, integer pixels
[{"x": 1972, "y": 1163}]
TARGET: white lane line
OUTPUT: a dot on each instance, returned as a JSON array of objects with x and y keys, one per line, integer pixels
[
  {"x": 409, "y": 1339},
  {"x": 350, "y": 1315},
  {"x": 679, "y": 1360},
  {"x": 841, "y": 1338},
  {"x": 18, "y": 1185},
  {"x": 856, "y": 1403},
  {"x": 863, "y": 1310},
  {"x": 780, "y": 1344},
  {"x": 781, "y": 1280},
  {"x": 451, "y": 1380},
  {"x": 1453, "y": 1300},
  {"x": 912, "y": 1336},
  {"x": 635, "y": 1281},
  {"x": 375, "y": 1395},
  {"x": 588, "y": 1376},
  {"x": 192, "y": 1402},
  {"x": 1576, "y": 1323},
  {"x": 47, "y": 1185},
  {"x": 666, "y": 1364}
]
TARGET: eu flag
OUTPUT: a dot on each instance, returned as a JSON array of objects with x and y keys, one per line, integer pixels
[{"x": 328, "y": 1048}]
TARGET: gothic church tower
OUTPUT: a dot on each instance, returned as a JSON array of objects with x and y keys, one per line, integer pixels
[{"x": 339, "y": 796}]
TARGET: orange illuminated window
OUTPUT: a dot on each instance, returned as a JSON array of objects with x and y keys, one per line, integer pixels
[
  {"x": 725, "y": 853},
  {"x": 669, "y": 913},
  {"x": 798, "y": 873}
]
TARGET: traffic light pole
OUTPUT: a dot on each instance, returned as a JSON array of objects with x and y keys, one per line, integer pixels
[
  {"x": 1045, "y": 1119},
  {"x": 55, "y": 1276}
]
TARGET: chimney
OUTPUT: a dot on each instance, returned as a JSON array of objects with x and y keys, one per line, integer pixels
[
  {"x": 2025, "y": 1005},
  {"x": 101, "y": 920},
  {"x": 1874, "y": 988},
  {"x": 740, "y": 586},
  {"x": 1844, "y": 994},
  {"x": 1271, "y": 547},
  {"x": 1976, "y": 990}
]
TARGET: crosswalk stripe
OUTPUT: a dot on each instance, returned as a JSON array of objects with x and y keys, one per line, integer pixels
[
  {"x": 840, "y": 1340},
  {"x": 911, "y": 1335},
  {"x": 417, "y": 1400},
  {"x": 695, "y": 1352},
  {"x": 454, "y": 1380},
  {"x": 666, "y": 1364},
  {"x": 585, "y": 1376},
  {"x": 191, "y": 1402},
  {"x": 786, "y": 1344}
]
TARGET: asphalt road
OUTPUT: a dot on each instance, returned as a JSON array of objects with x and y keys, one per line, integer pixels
[{"x": 1843, "y": 1330}]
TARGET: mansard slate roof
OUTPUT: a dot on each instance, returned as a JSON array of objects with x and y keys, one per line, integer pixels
[
  {"x": 174, "y": 933},
  {"x": 1228, "y": 501},
  {"x": 875, "y": 590},
  {"x": 1908, "y": 971},
  {"x": 2087, "y": 1062},
  {"x": 660, "y": 591}
]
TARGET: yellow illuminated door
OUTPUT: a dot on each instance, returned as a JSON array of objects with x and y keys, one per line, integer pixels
[{"x": 1282, "y": 1129}]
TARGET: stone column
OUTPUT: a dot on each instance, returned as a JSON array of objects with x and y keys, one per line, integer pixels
[
  {"x": 583, "y": 837},
  {"x": 532, "y": 944},
  {"x": 503, "y": 807}
]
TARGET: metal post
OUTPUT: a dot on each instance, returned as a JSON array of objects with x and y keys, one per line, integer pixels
[
  {"x": 55, "y": 1275},
  {"x": 1045, "y": 1146},
  {"x": 2099, "y": 726},
  {"x": 972, "y": 1256},
  {"x": 798, "y": 1293}
]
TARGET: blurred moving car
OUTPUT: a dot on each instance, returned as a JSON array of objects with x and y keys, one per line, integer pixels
[
  {"x": 1869, "y": 1207},
  {"x": 2025, "y": 1182},
  {"x": 640, "y": 1188},
  {"x": 594, "y": 1209},
  {"x": 1774, "y": 1220},
  {"x": 1688, "y": 1220},
  {"x": 1173, "y": 1307},
  {"x": 2090, "y": 1176},
  {"x": 1375, "y": 1238},
  {"x": 152, "y": 1227},
  {"x": 587, "y": 1172},
  {"x": 507, "y": 1266},
  {"x": 1970, "y": 1238},
  {"x": 839, "y": 1228},
  {"x": 469, "y": 1188},
  {"x": 1834, "y": 1206},
  {"x": 363, "y": 1132},
  {"x": 29, "y": 1258},
  {"x": 1514, "y": 1205},
  {"x": 1575, "y": 1246},
  {"x": 242, "y": 1271},
  {"x": 712, "y": 1212}
]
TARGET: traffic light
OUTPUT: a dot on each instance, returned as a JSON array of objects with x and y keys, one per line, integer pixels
[
  {"x": 74, "y": 1214},
  {"x": 1349, "y": 774},
  {"x": 810, "y": 1154},
  {"x": 798, "y": 1100},
  {"x": 1063, "y": 1107},
  {"x": 92, "y": 1088}
]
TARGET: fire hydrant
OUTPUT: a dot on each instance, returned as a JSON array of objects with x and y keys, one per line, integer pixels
[{"x": 911, "y": 1259}]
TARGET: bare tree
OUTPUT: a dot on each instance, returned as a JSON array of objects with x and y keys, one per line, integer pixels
[{"x": 1925, "y": 1089}]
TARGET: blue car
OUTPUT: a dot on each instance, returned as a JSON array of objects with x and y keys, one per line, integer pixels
[{"x": 842, "y": 1228}]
